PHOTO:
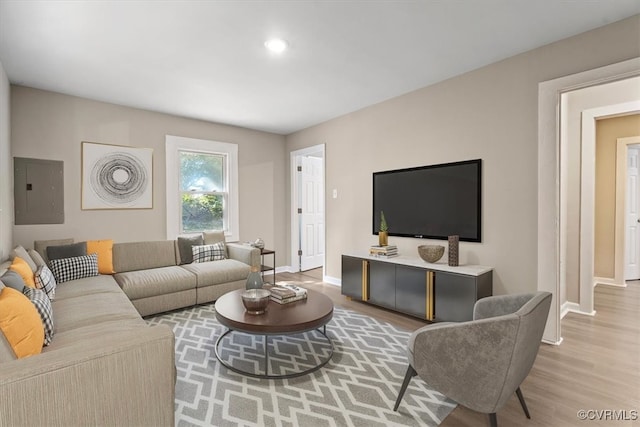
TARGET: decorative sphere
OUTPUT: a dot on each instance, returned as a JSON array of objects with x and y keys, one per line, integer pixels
[
  {"x": 431, "y": 253},
  {"x": 255, "y": 301}
]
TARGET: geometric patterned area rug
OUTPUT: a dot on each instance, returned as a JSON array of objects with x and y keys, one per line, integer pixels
[{"x": 357, "y": 387}]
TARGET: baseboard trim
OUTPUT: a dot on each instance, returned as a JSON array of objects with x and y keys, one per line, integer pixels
[
  {"x": 607, "y": 282},
  {"x": 572, "y": 307},
  {"x": 332, "y": 280},
  {"x": 553, "y": 342}
]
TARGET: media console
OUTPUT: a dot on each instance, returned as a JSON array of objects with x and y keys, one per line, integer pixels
[{"x": 435, "y": 292}]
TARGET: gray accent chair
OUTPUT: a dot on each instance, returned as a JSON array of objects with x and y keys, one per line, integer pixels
[{"x": 481, "y": 363}]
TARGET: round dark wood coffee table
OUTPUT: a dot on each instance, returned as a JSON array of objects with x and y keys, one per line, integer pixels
[{"x": 298, "y": 317}]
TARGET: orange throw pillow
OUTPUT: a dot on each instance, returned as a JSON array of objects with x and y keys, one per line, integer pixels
[
  {"x": 104, "y": 249},
  {"x": 21, "y": 267},
  {"x": 20, "y": 323}
]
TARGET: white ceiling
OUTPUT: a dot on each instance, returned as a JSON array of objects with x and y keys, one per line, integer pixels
[{"x": 206, "y": 59}]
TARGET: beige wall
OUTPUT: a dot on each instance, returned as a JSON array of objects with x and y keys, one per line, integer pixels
[
  {"x": 607, "y": 133},
  {"x": 6, "y": 171},
  {"x": 52, "y": 126},
  {"x": 490, "y": 113}
]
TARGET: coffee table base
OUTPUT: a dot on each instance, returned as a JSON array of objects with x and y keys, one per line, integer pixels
[{"x": 266, "y": 358}]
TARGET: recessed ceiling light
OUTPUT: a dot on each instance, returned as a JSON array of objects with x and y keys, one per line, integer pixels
[{"x": 276, "y": 45}]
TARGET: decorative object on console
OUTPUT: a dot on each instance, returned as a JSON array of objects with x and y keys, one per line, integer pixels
[
  {"x": 387, "y": 251},
  {"x": 383, "y": 234},
  {"x": 454, "y": 242},
  {"x": 255, "y": 301},
  {"x": 254, "y": 280},
  {"x": 431, "y": 253},
  {"x": 116, "y": 177}
]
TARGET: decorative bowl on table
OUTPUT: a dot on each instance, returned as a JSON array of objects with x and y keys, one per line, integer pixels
[
  {"x": 255, "y": 301},
  {"x": 431, "y": 253}
]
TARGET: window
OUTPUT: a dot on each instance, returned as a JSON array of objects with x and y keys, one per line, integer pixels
[
  {"x": 201, "y": 187},
  {"x": 203, "y": 191}
]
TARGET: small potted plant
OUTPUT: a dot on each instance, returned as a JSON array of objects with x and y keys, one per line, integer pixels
[{"x": 384, "y": 229}]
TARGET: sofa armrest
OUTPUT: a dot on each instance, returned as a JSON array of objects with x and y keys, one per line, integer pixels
[
  {"x": 124, "y": 378},
  {"x": 244, "y": 253}
]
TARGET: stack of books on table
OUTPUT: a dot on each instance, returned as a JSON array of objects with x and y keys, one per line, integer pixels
[
  {"x": 384, "y": 251},
  {"x": 286, "y": 293}
]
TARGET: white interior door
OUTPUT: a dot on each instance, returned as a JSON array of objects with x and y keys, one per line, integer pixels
[
  {"x": 632, "y": 209},
  {"x": 311, "y": 213}
]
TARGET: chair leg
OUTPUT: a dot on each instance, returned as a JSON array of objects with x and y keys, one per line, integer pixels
[
  {"x": 522, "y": 403},
  {"x": 407, "y": 377},
  {"x": 493, "y": 420}
]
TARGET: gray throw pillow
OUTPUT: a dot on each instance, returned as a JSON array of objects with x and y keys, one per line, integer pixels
[
  {"x": 67, "y": 251},
  {"x": 13, "y": 280},
  {"x": 184, "y": 246},
  {"x": 21, "y": 252}
]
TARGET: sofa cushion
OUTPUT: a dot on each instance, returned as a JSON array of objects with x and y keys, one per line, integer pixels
[
  {"x": 21, "y": 252},
  {"x": 88, "y": 286},
  {"x": 20, "y": 323},
  {"x": 67, "y": 269},
  {"x": 13, "y": 280},
  {"x": 217, "y": 272},
  {"x": 42, "y": 303},
  {"x": 205, "y": 253},
  {"x": 41, "y": 246},
  {"x": 185, "y": 246},
  {"x": 45, "y": 281},
  {"x": 21, "y": 267},
  {"x": 155, "y": 281},
  {"x": 37, "y": 258},
  {"x": 104, "y": 249},
  {"x": 211, "y": 237},
  {"x": 66, "y": 251},
  {"x": 134, "y": 256},
  {"x": 104, "y": 303}
]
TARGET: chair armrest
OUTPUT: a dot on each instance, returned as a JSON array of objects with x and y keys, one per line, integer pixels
[
  {"x": 467, "y": 361},
  {"x": 125, "y": 377},
  {"x": 244, "y": 253},
  {"x": 499, "y": 305}
]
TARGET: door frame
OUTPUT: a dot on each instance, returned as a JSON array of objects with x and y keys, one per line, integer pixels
[
  {"x": 295, "y": 187},
  {"x": 549, "y": 179}
]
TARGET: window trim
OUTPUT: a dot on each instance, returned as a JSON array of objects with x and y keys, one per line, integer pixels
[{"x": 173, "y": 146}]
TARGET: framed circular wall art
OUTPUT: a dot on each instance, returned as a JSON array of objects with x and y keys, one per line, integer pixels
[{"x": 116, "y": 177}]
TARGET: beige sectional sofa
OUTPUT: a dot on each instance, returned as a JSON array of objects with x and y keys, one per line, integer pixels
[{"x": 105, "y": 366}]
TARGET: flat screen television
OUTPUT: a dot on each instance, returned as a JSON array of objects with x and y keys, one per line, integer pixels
[{"x": 431, "y": 202}]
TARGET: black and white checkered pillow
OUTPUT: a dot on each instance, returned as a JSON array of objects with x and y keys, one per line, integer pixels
[
  {"x": 206, "y": 253},
  {"x": 45, "y": 281},
  {"x": 43, "y": 304},
  {"x": 78, "y": 267}
]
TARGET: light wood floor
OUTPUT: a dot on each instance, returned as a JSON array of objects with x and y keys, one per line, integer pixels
[{"x": 597, "y": 366}]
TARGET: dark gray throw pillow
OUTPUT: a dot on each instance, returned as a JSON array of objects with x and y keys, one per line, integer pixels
[
  {"x": 184, "y": 246},
  {"x": 13, "y": 280},
  {"x": 67, "y": 251}
]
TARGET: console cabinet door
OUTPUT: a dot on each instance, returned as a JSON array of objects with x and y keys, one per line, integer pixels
[
  {"x": 382, "y": 284},
  {"x": 455, "y": 295},
  {"x": 411, "y": 290},
  {"x": 352, "y": 276}
]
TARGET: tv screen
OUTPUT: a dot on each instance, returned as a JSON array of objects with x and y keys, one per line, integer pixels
[{"x": 430, "y": 202}]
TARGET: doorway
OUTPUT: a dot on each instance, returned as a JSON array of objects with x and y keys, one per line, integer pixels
[
  {"x": 550, "y": 262},
  {"x": 307, "y": 209}
]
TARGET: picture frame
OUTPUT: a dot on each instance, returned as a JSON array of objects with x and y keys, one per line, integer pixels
[{"x": 116, "y": 177}]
